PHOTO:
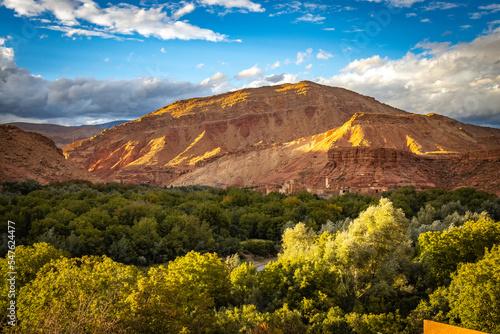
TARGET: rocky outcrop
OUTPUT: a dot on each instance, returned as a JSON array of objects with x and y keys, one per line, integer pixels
[{"x": 26, "y": 155}]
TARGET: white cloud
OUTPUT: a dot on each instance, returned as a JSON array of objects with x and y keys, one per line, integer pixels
[
  {"x": 71, "y": 32},
  {"x": 476, "y": 16},
  {"x": 122, "y": 19},
  {"x": 106, "y": 60},
  {"x": 188, "y": 8},
  {"x": 311, "y": 18},
  {"x": 301, "y": 56},
  {"x": 200, "y": 65},
  {"x": 493, "y": 8},
  {"x": 411, "y": 15},
  {"x": 466, "y": 26},
  {"x": 492, "y": 26},
  {"x": 439, "y": 5},
  {"x": 329, "y": 29},
  {"x": 245, "y": 4},
  {"x": 461, "y": 81},
  {"x": 287, "y": 8},
  {"x": 275, "y": 65},
  {"x": 360, "y": 67},
  {"x": 162, "y": 50},
  {"x": 308, "y": 67},
  {"x": 6, "y": 54},
  {"x": 322, "y": 54},
  {"x": 397, "y": 3},
  {"x": 425, "y": 21},
  {"x": 251, "y": 72},
  {"x": 218, "y": 83},
  {"x": 486, "y": 10}
]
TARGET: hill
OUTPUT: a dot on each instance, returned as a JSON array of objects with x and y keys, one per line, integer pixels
[{"x": 30, "y": 155}]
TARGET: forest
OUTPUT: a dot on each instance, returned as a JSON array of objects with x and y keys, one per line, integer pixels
[{"x": 122, "y": 258}]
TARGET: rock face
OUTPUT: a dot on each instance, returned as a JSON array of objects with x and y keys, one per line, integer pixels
[
  {"x": 325, "y": 139},
  {"x": 26, "y": 155}
]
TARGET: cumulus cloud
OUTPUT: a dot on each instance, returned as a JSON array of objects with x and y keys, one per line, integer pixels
[
  {"x": 251, "y": 72},
  {"x": 218, "y": 83},
  {"x": 26, "y": 97},
  {"x": 322, "y": 54},
  {"x": 121, "y": 19},
  {"x": 6, "y": 54},
  {"x": 461, "y": 81},
  {"x": 275, "y": 65}
]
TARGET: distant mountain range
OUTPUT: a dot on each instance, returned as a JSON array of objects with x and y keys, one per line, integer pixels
[
  {"x": 65, "y": 135},
  {"x": 294, "y": 137}
]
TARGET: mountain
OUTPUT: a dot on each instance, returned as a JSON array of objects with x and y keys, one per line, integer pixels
[
  {"x": 292, "y": 137},
  {"x": 31, "y": 155}
]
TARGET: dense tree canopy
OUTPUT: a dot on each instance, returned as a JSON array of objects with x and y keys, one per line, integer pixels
[{"x": 116, "y": 258}]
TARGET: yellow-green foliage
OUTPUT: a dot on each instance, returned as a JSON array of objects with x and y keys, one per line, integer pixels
[
  {"x": 441, "y": 252},
  {"x": 88, "y": 294}
]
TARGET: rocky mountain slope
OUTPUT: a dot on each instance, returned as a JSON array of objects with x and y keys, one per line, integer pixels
[
  {"x": 293, "y": 137},
  {"x": 26, "y": 155}
]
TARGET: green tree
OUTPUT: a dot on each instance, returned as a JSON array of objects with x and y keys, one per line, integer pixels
[
  {"x": 474, "y": 294},
  {"x": 27, "y": 261},
  {"x": 163, "y": 303},
  {"x": 240, "y": 320},
  {"x": 441, "y": 252},
  {"x": 205, "y": 272},
  {"x": 88, "y": 294},
  {"x": 373, "y": 252},
  {"x": 244, "y": 282}
]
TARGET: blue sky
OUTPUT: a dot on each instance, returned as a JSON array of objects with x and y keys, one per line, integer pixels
[{"x": 85, "y": 61}]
